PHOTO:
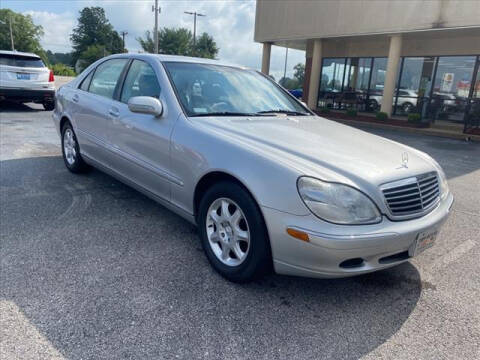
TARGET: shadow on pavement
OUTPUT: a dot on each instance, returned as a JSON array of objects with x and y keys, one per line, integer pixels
[
  {"x": 104, "y": 272},
  {"x": 10, "y": 106}
]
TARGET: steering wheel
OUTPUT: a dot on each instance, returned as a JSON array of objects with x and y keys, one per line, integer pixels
[{"x": 221, "y": 106}]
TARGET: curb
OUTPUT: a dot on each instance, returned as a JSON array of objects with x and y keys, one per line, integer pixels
[{"x": 423, "y": 131}]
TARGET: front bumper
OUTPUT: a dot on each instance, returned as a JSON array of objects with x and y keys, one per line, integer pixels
[
  {"x": 40, "y": 95},
  {"x": 380, "y": 245}
]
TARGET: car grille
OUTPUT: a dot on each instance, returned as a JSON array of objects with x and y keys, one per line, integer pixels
[{"x": 412, "y": 196}]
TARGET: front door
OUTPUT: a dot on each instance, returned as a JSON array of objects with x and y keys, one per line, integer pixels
[{"x": 141, "y": 142}]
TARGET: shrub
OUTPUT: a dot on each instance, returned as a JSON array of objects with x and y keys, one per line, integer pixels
[
  {"x": 414, "y": 118},
  {"x": 324, "y": 110},
  {"x": 63, "y": 70},
  {"x": 352, "y": 112},
  {"x": 381, "y": 115}
]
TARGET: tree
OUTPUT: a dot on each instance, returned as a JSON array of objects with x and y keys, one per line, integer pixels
[
  {"x": 299, "y": 73},
  {"x": 179, "y": 41},
  {"x": 92, "y": 54},
  {"x": 289, "y": 83},
  {"x": 206, "y": 47},
  {"x": 95, "y": 30},
  {"x": 26, "y": 34},
  {"x": 59, "y": 58}
]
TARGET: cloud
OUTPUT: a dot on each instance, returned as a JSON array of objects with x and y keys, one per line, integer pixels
[
  {"x": 230, "y": 22},
  {"x": 57, "y": 29}
]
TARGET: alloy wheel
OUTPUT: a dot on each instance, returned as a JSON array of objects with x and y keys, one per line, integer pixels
[
  {"x": 228, "y": 232},
  {"x": 69, "y": 146}
]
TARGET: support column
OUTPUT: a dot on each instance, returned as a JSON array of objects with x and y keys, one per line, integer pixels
[
  {"x": 315, "y": 74},
  {"x": 391, "y": 74},
  {"x": 267, "y": 49},
  {"x": 308, "y": 70}
]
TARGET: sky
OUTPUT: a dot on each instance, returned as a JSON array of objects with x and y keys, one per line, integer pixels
[{"x": 230, "y": 22}]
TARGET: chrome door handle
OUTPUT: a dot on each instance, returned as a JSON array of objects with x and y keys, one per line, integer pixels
[{"x": 75, "y": 98}]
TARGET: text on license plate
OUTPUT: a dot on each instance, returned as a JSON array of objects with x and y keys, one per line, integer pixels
[
  {"x": 22, "y": 76},
  {"x": 424, "y": 241}
]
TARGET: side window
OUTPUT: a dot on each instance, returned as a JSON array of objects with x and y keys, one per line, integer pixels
[
  {"x": 106, "y": 77},
  {"x": 140, "y": 81},
  {"x": 86, "y": 82}
]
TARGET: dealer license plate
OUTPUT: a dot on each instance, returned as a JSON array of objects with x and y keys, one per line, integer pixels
[{"x": 424, "y": 241}]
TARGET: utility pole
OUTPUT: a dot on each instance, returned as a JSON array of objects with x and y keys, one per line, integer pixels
[
  {"x": 11, "y": 32},
  {"x": 157, "y": 11},
  {"x": 195, "y": 14},
  {"x": 285, "y": 68},
  {"x": 123, "y": 33}
]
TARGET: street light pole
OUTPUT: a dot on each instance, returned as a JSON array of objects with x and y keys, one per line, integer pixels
[
  {"x": 157, "y": 11},
  {"x": 285, "y": 68},
  {"x": 195, "y": 14}
]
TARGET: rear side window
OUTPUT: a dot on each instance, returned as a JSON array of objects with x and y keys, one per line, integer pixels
[
  {"x": 106, "y": 77},
  {"x": 140, "y": 81},
  {"x": 21, "y": 61}
]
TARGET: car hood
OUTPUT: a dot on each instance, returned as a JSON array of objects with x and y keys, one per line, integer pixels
[{"x": 319, "y": 147}]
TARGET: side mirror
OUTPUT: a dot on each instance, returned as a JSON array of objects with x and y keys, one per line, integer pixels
[{"x": 145, "y": 105}]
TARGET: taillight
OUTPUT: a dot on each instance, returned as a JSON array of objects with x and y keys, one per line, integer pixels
[{"x": 51, "y": 78}]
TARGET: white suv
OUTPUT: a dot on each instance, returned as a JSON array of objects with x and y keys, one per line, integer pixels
[{"x": 25, "y": 78}]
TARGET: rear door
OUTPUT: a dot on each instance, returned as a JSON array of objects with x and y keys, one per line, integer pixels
[
  {"x": 23, "y": 72},
  {"x": 96, "y": 107}
]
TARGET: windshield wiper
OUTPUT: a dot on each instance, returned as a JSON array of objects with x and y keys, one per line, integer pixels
[
  {"x": 282, "y": 111},
  {"x": 227, "y": 113}
]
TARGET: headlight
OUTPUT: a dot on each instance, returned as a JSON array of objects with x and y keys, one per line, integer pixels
[
  {"x": 443, "y": 183},
  {"x": 337, "y": 203}
]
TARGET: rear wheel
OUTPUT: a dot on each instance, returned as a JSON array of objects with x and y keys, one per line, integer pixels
[
  {"x": 233, "y": 233},
  {"x": 71, "y": 150},
  {"x": 49, "y": 105}
]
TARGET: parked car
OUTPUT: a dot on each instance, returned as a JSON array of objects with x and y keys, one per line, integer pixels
[
  {"x": 25, "y": 78},
  {"x": 265, "y": 180},
  {"x": 407, "y": 100},
  {"x": 298, "y": 93}
]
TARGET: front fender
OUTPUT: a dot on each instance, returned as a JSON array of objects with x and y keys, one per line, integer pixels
[{"x": 196, "y": 152}]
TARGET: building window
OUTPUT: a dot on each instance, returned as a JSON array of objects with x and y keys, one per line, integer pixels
[
  {"x": 333, "y": 71},
  {"x": 451, "y": 89},
  {"x": 413, "y": 91}
]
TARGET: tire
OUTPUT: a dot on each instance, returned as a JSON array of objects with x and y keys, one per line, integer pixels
[
  {"x": 407, "y": 108},
  {"x": 246, "y": 260},
  {"x": 373, "y": 105},
  {"x": 71, "y": 151},
  {"x": 49, "y": 105}
]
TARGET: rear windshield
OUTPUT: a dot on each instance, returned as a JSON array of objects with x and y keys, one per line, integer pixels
[{"x": 21, "y": 61}]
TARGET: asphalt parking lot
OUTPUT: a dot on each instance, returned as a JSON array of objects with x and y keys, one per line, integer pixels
[{"x": 91, "y": 269}]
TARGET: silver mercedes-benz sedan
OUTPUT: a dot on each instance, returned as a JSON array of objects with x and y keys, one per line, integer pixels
[{"x": 267, "y": 182}]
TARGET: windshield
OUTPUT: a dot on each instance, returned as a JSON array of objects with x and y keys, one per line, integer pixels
[
  {"x": 21, "y": 61},
  {"x": 205, "y": 89}
]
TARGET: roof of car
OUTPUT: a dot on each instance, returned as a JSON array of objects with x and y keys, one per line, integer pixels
[
  {"x": 19, "y": 53},
  {"x": 178, "y": 58}
]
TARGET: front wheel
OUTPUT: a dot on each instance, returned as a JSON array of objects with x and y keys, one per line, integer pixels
[{"x": 233, "y": 233}]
